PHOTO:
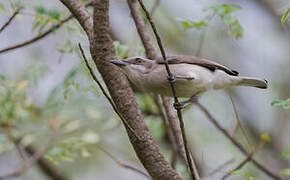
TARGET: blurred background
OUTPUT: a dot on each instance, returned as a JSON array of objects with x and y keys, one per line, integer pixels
[{"x": 48, "y": 99}]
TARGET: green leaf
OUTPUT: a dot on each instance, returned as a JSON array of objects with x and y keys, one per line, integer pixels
[
  {"x": 265, "y": 137},
  {"x": 53, "y": 13},
  {"x": 224, "y": 12},
  {"x": 284, "y": 103},
  {"x": 40, "y": 9},
  {"x": 286, "y": 154},
  {"x": 192, "y": 24},
  {"x": 285, "y": 172},
  {"x": 285, "y": 17}
]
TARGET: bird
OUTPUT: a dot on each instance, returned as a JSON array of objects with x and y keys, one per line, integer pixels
[{"x": 192, "y": 75}]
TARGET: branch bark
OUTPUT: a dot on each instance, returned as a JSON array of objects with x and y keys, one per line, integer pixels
[
  {"x": 102, "y": 51},
  {"x": 81, "y": 14}
]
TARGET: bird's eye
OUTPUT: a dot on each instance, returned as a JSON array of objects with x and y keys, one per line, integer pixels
[{"x": 139, "y": 61}]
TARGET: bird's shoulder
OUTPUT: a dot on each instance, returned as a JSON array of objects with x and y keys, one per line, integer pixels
[{"x": 211, "y": 65}]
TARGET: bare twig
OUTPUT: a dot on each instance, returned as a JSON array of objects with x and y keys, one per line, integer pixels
[
  {"x": 41, "y": 36},
  {"x": 10, "y": 19},
  {"x": 173, "y": 125},
  {"x": 169, "y": 130},
  {"x": 194, "y": 175},
  {"x": 28, "y": 163},
  {"x": 239, "y": 124},
  {"x": 249, "y": 158},
  {"x": 106, "y": 94},
  {"x": 120, "y": 163},
  {"x": 46, "y": 167},
  {"x": 236, "y": 143}
]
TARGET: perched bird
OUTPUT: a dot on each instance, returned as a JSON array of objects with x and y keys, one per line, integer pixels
[{"x": 193, "y": 75}]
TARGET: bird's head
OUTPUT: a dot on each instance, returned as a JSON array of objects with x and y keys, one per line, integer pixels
[{"x": 134, "y": 65}]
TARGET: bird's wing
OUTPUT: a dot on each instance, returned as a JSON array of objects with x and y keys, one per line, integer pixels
[{"x": 197, "y": 61}]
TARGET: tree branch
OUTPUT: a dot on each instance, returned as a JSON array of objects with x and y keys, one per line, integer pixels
[
  {"x": 194, "y": 175},
  {"x": 236, "y": 143},
  {"x": 41, "y": 36},
  {"x": 46, "y": 167},
  {"x": 10, "y": 19},
  {"x": 81, "y": 14},
  {"x": 120, "y": 163},
  {"x": 102, "y": 51}
]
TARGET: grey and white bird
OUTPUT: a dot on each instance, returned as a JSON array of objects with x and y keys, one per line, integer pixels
[{"x": 193, "y": 75}]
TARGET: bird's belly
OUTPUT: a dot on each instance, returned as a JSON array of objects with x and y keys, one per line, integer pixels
[{"x": 202, "y": 81}]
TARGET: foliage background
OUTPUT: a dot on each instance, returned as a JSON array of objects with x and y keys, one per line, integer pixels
[{"x": 45, "y": 90}]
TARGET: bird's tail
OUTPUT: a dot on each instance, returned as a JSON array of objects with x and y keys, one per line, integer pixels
[{"x": 253, "y": 82}]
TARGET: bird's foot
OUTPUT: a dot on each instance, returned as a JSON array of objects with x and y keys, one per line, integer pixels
[{"x": 181, "y": 105}]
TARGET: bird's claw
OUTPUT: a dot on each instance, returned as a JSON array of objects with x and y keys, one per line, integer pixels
[{"x": 178, "y": 105}]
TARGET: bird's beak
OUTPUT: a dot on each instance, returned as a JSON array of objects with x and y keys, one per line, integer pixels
[{"x": 119, "y": 62}]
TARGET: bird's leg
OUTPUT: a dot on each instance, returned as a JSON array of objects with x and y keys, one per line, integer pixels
[{"x": 181, "y": 105}]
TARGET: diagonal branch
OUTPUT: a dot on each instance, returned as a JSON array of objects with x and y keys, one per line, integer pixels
[
  {"x": 41, "y": 36},
  {"x": 236, "y": 143},
  {"x": 102, "y": 51},
  {"x": 80, "y": 12},
  {"x": 10, "y": 19},
  {"x": 120, "y": 163},
  {"x": 191, "y": 165},
  {"x": 151, "y": 54},
  {"x": 106, "y": 95},
  {"x": 28, "y": 163}
]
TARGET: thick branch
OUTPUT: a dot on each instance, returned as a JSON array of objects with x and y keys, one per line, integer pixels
[
  {"x": 81, "y": 14},
  {"x": 151, "y": 54},
  {"x": 102, "y": 51},
  {"x": 191, "y": 165}
]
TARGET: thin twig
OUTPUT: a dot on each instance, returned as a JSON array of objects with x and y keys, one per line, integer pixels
[
  {"x": 194, "y": 175},
  {"x": 236, "y": 143},
  {"x": 41, "y": 36},
  {"x": 10, "y": 19},
  {"x": 169, "y": 115},
  {"x": 28, "y": 163},
  {"x": 120, "y": 163},
  {"x": 249, "y": 158},
  {"x": 239, "y": 124},
  {"x": 106, "y": 94}
]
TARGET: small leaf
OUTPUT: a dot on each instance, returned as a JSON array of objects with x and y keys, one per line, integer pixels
[
  {"x": 285, "y": 172},
  {"x": 265, "y": 137},
  {"x": 40, "y": 9},
  {"x": 224, "y": 12},
  {"x": 286, "y": 154},
  {"x": 284, "y": 103},
  {"x": 53, "y": 13},
  {"x": 285, "y": 17},
  {"x": 192, "y": 24}
]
